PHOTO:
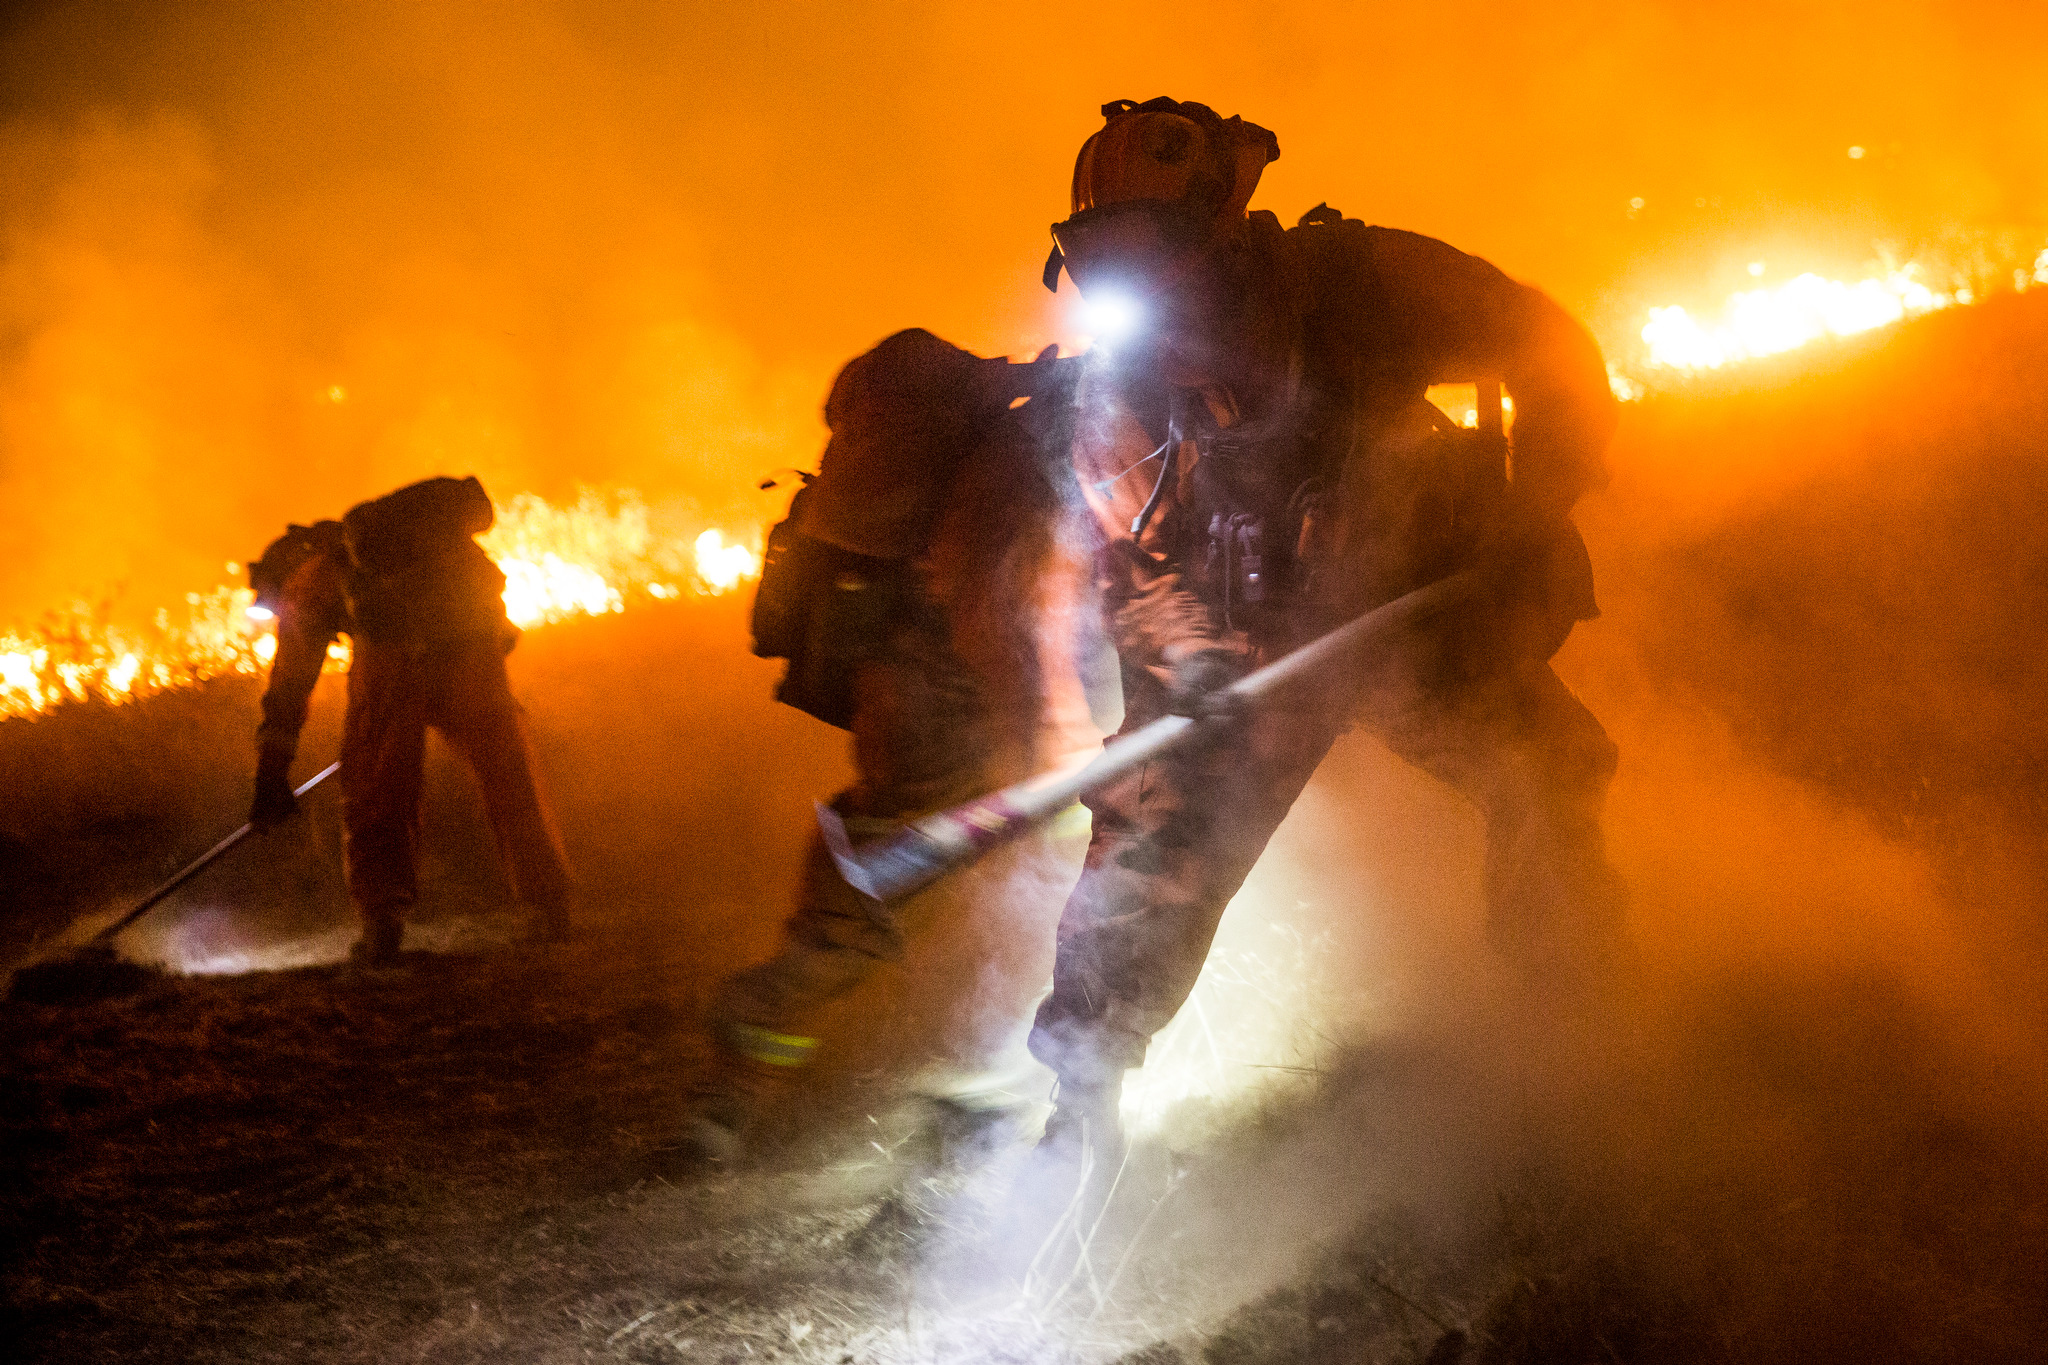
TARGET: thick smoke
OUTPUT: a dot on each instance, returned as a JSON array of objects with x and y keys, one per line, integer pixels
[
  {"x": 628, "y": 244},
  {"x": 324, "y": 272}
]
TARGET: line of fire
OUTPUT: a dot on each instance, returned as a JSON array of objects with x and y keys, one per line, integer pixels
[{"x": 829, "y": 683}]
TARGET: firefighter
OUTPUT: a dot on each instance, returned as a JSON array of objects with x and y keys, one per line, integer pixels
[
  {"x": 1263, "y": 465},
  {"x": 909, "y": 590},
  {"x": 422, "y": 605}
]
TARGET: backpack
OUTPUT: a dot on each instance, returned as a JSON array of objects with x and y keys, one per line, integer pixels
[
  {"x": 417, "y": 524},
  {"x": 417, "y": 575},
  {"x": 823, "y": 609},
  {"x": 839, "y": 570}
]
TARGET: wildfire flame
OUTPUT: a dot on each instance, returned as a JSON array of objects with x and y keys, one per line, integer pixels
[
  {"x": 1761, "y": 322},
  {"x": 588, "y": 558},
  {"x": 600, "y": 553},
  {"x": 722, "y": 567},
  {"x": 1770, "y": 320}
]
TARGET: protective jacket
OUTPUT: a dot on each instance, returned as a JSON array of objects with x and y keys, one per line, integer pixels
[
  {"x": 403, "y": 576},
  {"x": 1232, "y": 528},
  {"x": 311, "y": 611},
  {"x": 417, "y": 575},
  {"x": 402, "y": 570},
  {"x": 1246, "y": 529}
]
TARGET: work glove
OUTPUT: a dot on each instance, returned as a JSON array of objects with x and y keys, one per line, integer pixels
[
  {"x": 274, "y": 803},
  {"x": 1198, "y": 683}
]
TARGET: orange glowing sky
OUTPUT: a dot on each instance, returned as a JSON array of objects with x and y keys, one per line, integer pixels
[{"x": 257, "y": 261}]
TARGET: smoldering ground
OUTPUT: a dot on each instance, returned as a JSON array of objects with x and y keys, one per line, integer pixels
[{"x": 1806, "y": 1131}]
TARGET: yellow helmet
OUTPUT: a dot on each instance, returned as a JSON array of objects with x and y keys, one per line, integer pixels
[{"x": 1159, "y": 180}]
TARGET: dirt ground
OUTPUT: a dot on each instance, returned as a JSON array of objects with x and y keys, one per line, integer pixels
[
  {"x": 1808, "y": 1129},
  {"x": 463, "y": 1160}
]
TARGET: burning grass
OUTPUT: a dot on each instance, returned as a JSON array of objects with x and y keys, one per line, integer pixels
[
  {"x": 586, "y": 558},
  {"x": 1771, "y": 318}
]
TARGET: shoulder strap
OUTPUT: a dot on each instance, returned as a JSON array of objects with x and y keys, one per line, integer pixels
[{"x": 1335, "y": 281}]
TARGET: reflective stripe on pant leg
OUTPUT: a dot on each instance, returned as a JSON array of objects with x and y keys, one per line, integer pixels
[
  {"x": 766, "y": 1045},
  {"x": 916, "y": 744},
  {"x": 829, "y": 946}
]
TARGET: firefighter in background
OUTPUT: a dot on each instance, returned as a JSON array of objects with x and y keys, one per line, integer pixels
[
  {"x": 910, "y": 589},
  {"x": 1264, "y": 465},
  {"x": 422, "y": 605}
]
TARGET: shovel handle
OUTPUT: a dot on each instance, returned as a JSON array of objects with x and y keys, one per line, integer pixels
[
  {"x": 201, "y": 863},
  {"x": 925, "y": 850}
]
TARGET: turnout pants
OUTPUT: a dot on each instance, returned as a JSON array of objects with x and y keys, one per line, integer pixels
[
  {"x": 459, "y": 687},
  {"x": 920, "y": 743},
  {"x": 1174, "y": 841}
]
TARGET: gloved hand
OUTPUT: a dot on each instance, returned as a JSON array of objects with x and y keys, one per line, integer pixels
[
  {"x": 1198, "y": 684},
  {"x": 274, "y": 803}
]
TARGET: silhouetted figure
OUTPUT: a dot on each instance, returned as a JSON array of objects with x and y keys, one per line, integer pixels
[
  {"x": 909, "y": 590},
  {"x": 422, "y": 604},
  {"x": 1264, "y": 465}
]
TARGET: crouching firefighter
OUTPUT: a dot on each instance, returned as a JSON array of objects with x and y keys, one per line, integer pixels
[
  {"x": 907, "y": 589},
  {"x": 1264, "y": 466},
  {"x": 422, "y": 604}
]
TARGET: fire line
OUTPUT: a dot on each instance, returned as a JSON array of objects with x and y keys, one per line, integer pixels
[{"x": 588, "y": 558}]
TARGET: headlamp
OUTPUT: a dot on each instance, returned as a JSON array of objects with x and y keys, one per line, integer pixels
[
  {"x": 1111, "y": 315},
  {"x": 266, "y": 582}
]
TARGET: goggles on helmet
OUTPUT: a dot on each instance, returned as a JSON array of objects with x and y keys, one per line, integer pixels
[{"x": 1138, "y": 240}]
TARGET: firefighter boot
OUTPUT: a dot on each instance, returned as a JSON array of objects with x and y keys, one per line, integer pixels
[
  {"x": 750, "y": 1065},
  {"x": 719, "y": 1120},
  {"x": 378, "y": 947},
  {"x": 1063, "y": 1192},
  {"x": 972, "y": 1112},
  {"x": 1085, "y": 1130}
]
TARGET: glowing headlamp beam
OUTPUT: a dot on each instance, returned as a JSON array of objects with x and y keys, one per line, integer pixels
[{"x": 1111, "y": 317}]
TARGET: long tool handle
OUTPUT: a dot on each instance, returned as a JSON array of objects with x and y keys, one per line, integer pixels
[
  {"x": 926, "y": 850},
  {"x": 201, "y": 863}
]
